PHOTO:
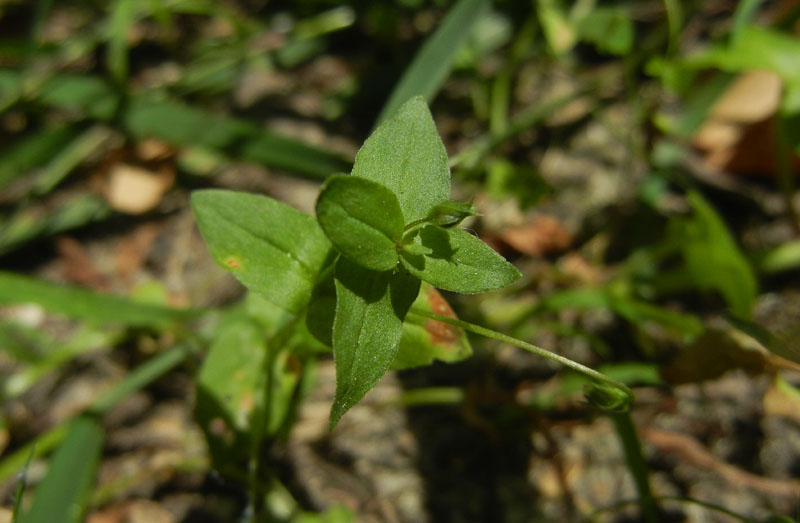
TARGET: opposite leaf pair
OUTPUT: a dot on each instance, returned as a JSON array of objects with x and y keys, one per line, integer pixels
[
  {"x": 364, "y": 222},
  {"x": 394, "y": 208},
  {"x": 391, "y": 223}
]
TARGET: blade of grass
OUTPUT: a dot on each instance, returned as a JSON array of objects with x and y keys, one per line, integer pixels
[
  {"x": 81, "y": 303},
  {"x": 136, "y": 380},
  {"x": 65, "y": 488},
  {"x": 70, "y": 157},
  {"x": 62, "y": 214},
  {"x": 743, "y": 16},
  {"x": 122, "y": 17},
  {"x": 20, "y": 157},
  {"x": 183, "y": 125},
  {"x": 435, "y": 59},
  {"x": 20, "y": 491},
  {"x": 472, "y": 155}
]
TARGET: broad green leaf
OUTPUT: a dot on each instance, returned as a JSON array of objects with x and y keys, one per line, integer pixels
[
  {"x": 755, "y": 48},
  {"x": 406, "y": 155},
  {"x": 609, "y": 29},
  {"x": 362, "y": 219},
  {"x": 81, "y": 303},
  {"x": 370, "y": 310},
  {"x": 454, "y": 260},
  {"x": 270, "y": 247},
  {"x": 230, "y": 385},
  {"x": 425, "y": 340},
  {"x": 435, "y": 59},
  {"x": 713, "y": 259},
  {"x": 63, "y": 493},
  {"x": 321, "y": 311}
]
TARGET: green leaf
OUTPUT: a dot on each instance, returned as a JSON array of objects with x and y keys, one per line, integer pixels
[
  {"x": 81, "y": 303},
  {"x": 362, "y": 219},
  {"x": 454, "y": 260},
  {"x": 184, "y": 125},
  {"x": 69, "y": 211},
  {"x": 270, "y": 247},
  {"x": 406, "y": 155},
  {"x": 230, "y": 385},
  {"x": 63, "y": 492},
  {"x": 25, "y": 154},
  {"x": 434, "y": 60},
  {"x": 610, "y": 29},
  {"x": 370, "y": 310},
  {"x": 425, "y": 340},
  {"x": 321, "y": 310},
  {"x": 450, "y": 213},
  {"x": 122, "y": 18},
  {"x": 713, "y": 259},
  {"x": 755, "y": 48}
]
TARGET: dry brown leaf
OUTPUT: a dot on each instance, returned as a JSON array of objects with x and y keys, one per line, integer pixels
[
  {"x": 134, "y": 190},
  {"x": 740, "y": 134},
  {"x": 542, "y": 235},
  {"x": 132, "y": 252},
  {"x": 752, "y": 97},
  {"x": 77, "y": 266}
]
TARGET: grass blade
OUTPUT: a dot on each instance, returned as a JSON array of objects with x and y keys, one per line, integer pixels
[
  {"x": 81, "y": 303},
  {"x": 63, "y": 492},
  {"x": 136, "y": 380},
  {"x": 58, "y": 215},
  {"x": 432, "y": 64},
  {"x": 122, "y": 18}
]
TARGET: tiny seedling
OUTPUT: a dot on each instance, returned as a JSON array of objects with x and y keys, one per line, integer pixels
[{"x": 355, "y": 272}]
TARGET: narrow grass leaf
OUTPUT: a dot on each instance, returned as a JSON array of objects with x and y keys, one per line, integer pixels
[
  {"x": 183, "y": 125},
  {"x": 370, "y": 310},
  {"x": 75, "y": 153},
  {"x": 17, "y": 159},
  {"x": 435, "y": 59},
  {"x": 270, "y": 247},
  {"x": 123, "y": 15},
  {"x": 44, "y": 219},
  {"x": 81, "y": 303},
  {"x": 63, "y": 492},
  {"x": 454, "y": 260},
  {"x": 362, "y": 219},
  {"x": 406, "y": 155},
  {"x": 82, "y": 94},
  {"x": 136, "y": 380}
]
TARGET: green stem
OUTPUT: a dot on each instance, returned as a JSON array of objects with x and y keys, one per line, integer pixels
[
  {"x": 634, "y": 458},
  {"x": 482, "y": 331}
]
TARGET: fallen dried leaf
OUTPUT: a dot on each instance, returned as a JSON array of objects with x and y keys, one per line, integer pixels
[
  {"x": 134, "y": 190},
  {"x": 541, "y": 236}
]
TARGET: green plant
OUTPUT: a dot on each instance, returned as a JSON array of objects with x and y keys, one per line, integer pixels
[{"x": 379, "y": 232}]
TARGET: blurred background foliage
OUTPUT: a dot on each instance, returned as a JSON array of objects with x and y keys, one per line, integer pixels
[{"x": 636, "y": 160}]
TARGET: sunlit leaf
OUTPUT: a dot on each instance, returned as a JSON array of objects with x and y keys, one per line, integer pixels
[{"x": 370, "y": 310}]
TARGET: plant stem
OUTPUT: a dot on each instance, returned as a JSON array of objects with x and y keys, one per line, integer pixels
[
  {"x": 489, "y": 333},
  {"x": 634, "y": 458}
]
